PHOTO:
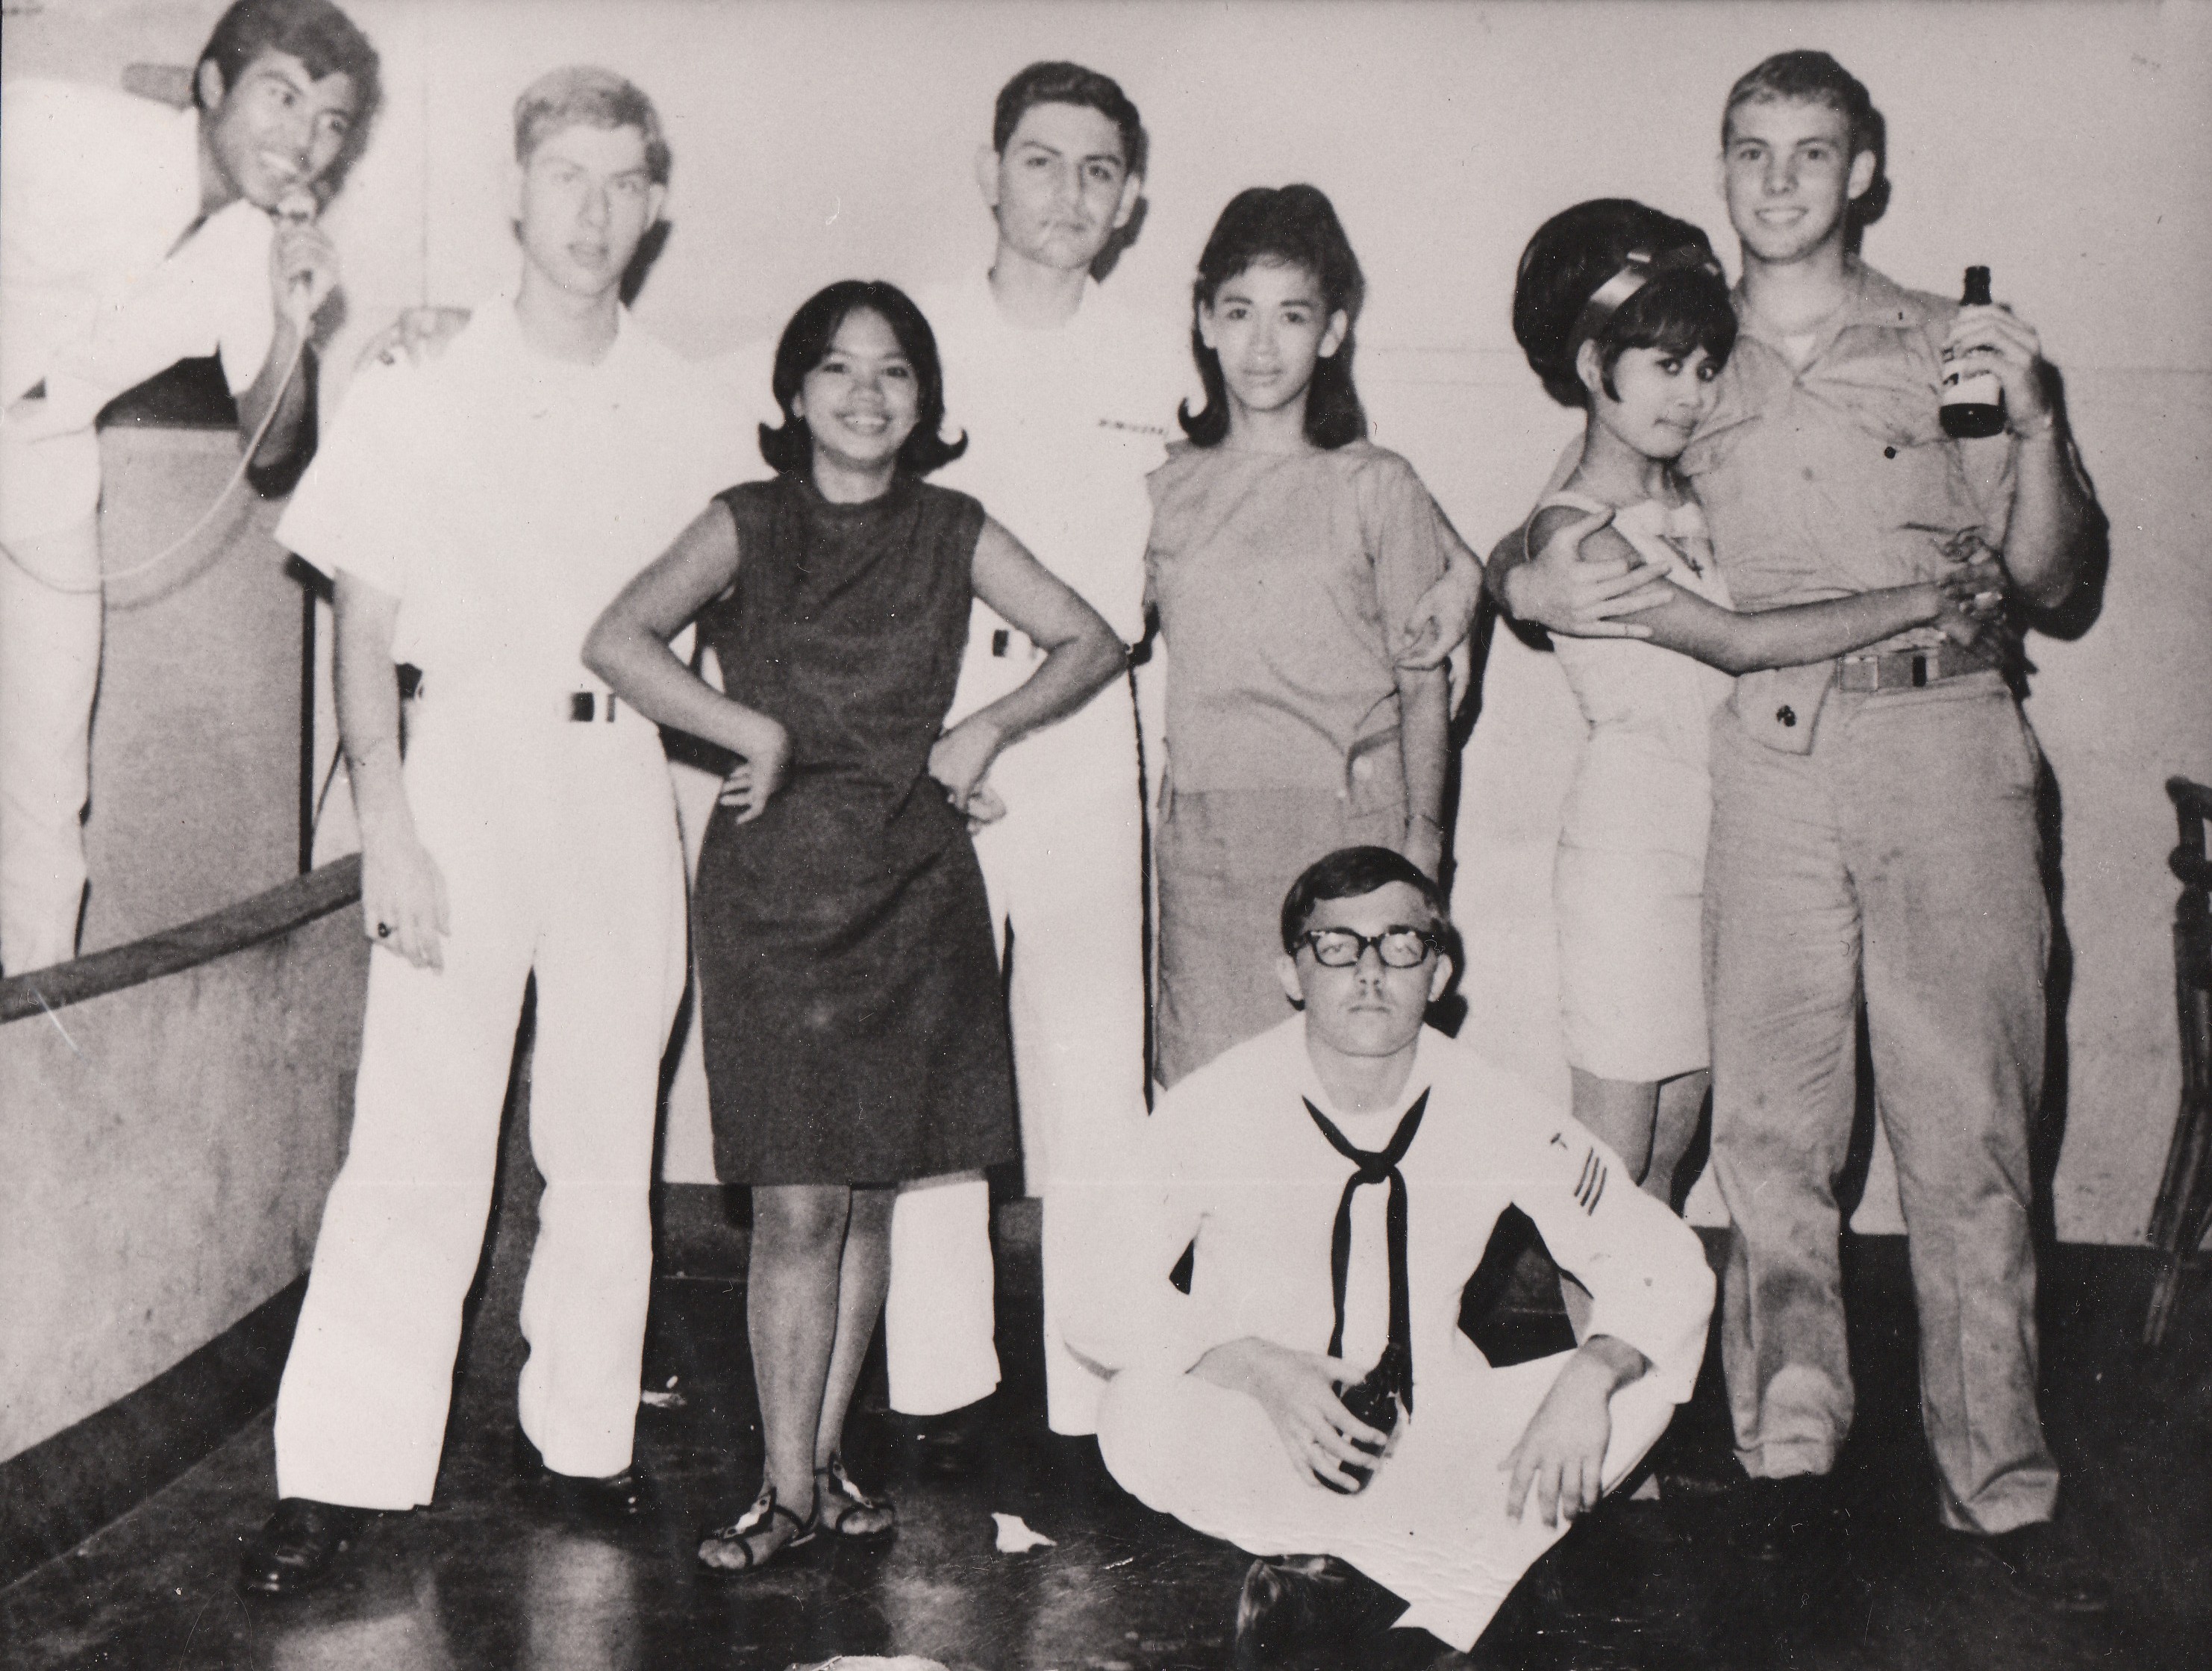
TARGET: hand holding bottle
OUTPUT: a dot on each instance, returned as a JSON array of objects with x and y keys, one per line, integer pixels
[{"x": 1993, "y": 368}]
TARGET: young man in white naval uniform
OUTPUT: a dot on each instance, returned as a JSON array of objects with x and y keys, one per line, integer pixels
[
  {"x": 135, "y": 235},
  {"x": 477, "y": 512},
  {"x": 1230, "y": 1408},
  {"x": 1066, "y": 397}
]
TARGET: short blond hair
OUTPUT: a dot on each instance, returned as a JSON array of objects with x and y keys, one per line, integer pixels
[{"x": 583, "y": 95}]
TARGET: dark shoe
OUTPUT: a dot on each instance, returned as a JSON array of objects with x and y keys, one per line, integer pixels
[
  {"x": 844, "y": 1508},
  {"x": 294, "y": 1547},
  {"x": 609, "y": 1499},
  {"x": 1294, "y": 1603},
  {"x": 1780, "y": 1520},
  {"x": 1593, "y": 1582},
  {"x": 950, "y": 1445},
  {"x": 757, "y": 1537},
  {"x": 1693, "y": 1471},
  {"x": 2041, "y": 1564}
]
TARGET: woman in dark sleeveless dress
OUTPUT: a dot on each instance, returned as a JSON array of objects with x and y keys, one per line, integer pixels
[{"x": 855, "y": 1031}]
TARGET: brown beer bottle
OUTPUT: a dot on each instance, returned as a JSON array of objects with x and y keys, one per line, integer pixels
[{"x": 1973, "y": 399}]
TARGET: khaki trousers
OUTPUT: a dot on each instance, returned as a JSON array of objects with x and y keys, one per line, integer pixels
[{"x": 1897, "y": 864}]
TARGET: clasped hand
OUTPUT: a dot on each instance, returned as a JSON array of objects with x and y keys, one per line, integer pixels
[
  {"x": 1443, "y": 616},
  {"x": 763, "y": 763},
  {"x": 1297, "y": 1389},
  {"x": 1973, "y": 592},
  {"x": 958, "y": 760}
]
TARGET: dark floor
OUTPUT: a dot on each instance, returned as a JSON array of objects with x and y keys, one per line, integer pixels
[{"x": 489, "y": 1577}]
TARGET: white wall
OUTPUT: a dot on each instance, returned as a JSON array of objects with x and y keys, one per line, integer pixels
[{"x": 2064, "y": 145}]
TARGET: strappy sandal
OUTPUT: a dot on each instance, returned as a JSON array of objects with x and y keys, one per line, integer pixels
[
  {"x": 844, "y": 1508},
  {"x": 752, "y": 1530}
]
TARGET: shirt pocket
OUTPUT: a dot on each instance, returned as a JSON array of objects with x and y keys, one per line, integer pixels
[{"x": 1887, "y": 382}]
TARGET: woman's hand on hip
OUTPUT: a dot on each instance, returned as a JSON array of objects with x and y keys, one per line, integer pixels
[
  {"x": 763, "y": 763},
  {"x": 959, "y": 759}
]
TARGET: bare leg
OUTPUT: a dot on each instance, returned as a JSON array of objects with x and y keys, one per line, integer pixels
[
  {"x": 1620, "y": 1113},
  {"x": 791, "y": 1315},
  {"x": 866, "y": 1274},
  {"x": 1681, "y": 1106}
]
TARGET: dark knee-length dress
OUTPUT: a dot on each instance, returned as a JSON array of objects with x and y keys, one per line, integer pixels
[{"x": 854, "y": 1027}]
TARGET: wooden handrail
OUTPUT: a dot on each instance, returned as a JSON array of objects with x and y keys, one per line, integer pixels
[{"x": 264, "y": 917}]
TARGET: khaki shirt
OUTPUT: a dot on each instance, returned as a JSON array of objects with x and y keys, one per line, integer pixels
[{"x": 1835, "y": 478}]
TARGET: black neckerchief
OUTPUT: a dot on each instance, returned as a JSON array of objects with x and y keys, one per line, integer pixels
[{"x": 1395, "y": 1369}]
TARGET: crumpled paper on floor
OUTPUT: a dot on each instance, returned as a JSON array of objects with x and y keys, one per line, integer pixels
[{"x": 1015, "y": 1538}]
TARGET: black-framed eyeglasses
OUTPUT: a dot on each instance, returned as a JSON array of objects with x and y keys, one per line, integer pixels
[{"x": 1398, "y": 947}]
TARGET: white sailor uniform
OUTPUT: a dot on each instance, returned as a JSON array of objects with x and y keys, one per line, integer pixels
[
  {"x": 503, "y": 498},
  {"x": 1233, "y": 1157}
]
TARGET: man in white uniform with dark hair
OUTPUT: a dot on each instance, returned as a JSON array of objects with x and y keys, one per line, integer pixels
[
  {"x": 1311, "y": 1398},
  {"x": 478, "y": 513},
  {"x": 1066, "y": 397}
]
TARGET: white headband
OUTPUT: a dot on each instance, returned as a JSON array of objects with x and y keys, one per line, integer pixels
[{"x": 1639, "y": 268}]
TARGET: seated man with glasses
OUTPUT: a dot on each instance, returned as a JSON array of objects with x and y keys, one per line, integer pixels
[{"x": 1311, "y": 1398}]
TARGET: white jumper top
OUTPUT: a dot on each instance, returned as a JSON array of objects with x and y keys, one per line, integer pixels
[{"x": 1231, "y": 1157}]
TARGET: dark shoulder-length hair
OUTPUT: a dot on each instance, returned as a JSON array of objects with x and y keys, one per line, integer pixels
[
  {"x": 1297, "y": 226},
  {"x": 787, "y": 447}
]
